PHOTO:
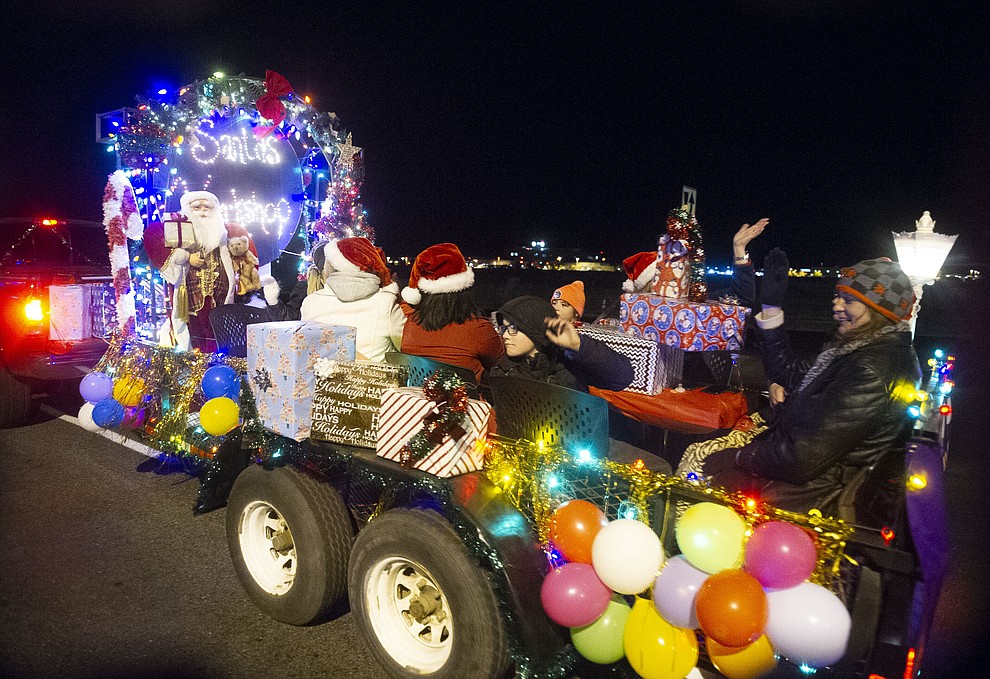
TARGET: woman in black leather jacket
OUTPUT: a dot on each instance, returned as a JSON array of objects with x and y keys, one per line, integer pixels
[{"x": 843, "y": 412}]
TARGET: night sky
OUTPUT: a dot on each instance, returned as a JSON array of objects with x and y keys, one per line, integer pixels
[{"x": 490, "y": 125}]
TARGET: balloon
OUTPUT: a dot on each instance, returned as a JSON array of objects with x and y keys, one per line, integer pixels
[
  {"x": 134, "y": 418},
  {"x": 218, "y": 416},
  {"x": 675, "y": 590},
  {"x": 573, "y": 527},
  {"x": 95, "y": 387},
  {"x": 732, "y": 608},
  {"x": 808, "y": 624},
  {"x": 780, "y": 555},
  {"x": 218, "y": 380},
  {"x": 627, "y": 555},
  {"x": 711, "y": 536},
  {"x": 86, "y": 417},
  {"x": 655, "y": 648},
  {"x": 749, "y": 662},
  {"x": 601, "y": 641},
  {"x": 129, "y": 390},
  {"x": 573, "y": 596},
  {"x": 108, "y": 414}
]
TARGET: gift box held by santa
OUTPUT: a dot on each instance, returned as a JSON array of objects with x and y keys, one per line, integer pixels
[{"x": 190, "y": 249}]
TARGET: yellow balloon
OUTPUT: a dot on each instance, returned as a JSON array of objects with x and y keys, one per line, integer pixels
[
  {"x": 218, "y": 416},
  {"x": 711, "y": 537},
  {"x": 128, "y": 391},
  {"x": 749, "y": 662},
  {"x": 655, "y": 648}
]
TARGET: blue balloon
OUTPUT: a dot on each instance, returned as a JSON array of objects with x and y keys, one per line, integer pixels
[
  {"x": 234, "y": 393},
  {"x": 95, "y": 387},
  {"x": 108, "y": 413},
  {"x": 217, "y": 381}
]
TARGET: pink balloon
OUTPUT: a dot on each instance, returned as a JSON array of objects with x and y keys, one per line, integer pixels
[
  {"x": 675, "y": 590},
  {"x": 780, "y": 555},
  {"x": 573, "y": 596}
]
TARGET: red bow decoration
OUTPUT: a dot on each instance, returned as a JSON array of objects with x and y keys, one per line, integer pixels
[{"x": 270, "y": 104}]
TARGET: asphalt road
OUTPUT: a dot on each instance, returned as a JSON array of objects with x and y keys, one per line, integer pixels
[{"x": 106, "y": 572}]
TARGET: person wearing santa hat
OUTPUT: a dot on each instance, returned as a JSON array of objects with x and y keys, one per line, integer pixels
[
  {"x": 444, "y": 322},
  {"x": 201, "y": 271},
  {"x": 568, "y": 301},
  {"x": 359, "y": 292},
  {"x": 640, "y": 271}
]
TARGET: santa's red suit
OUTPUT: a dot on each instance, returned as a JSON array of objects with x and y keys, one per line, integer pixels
[{"x": 201, "y": 274}]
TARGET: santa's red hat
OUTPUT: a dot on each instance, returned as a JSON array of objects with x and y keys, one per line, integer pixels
[
  {"x": 358, "y": 254},
  {"x": 438, "y": 269},
  {"x": 640, "y": 269}
]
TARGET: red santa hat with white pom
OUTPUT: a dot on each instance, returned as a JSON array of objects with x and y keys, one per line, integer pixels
[
  {"x": 351, "y": 255},
  {"x": 640, "y": 269},
  {"x": 439, "y": 268}
]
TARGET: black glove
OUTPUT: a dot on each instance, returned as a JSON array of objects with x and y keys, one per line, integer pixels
[
  {"x": 719, "y": 461},
  {"x": 774, "y": 285}
]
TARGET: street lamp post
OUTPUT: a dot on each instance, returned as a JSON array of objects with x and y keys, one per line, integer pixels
[{"x": 921, "y": 254}]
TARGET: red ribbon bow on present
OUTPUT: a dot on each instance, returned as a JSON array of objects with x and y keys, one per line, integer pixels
[
  {"x": 448, "y": 392},
  {"x": 270, "y": 104}
]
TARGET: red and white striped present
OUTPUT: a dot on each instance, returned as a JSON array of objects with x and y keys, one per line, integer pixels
[{"x": 401, "y": 418}]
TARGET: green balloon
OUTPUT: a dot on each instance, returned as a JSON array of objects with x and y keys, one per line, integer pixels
[{"x": 601, "y": 641}]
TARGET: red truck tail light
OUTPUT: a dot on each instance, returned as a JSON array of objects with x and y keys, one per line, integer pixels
[{"x": 34, "y": 311}]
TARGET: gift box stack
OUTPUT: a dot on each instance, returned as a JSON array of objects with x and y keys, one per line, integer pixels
[
  {"x": 656, "y": 366},
  {"x": 402, "y": 417},
  {"x": 281, "y": 358},
  {"x": 347, "y": 400},
  {"x": 679, "y": 314},
  {"x": 69, "y": 313}
]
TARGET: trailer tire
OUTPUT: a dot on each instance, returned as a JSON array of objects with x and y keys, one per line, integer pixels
[
  {"x": 15, "y": 399},
  {"x": 422, "y": 605},
  {"x": 289, "y": 537}
]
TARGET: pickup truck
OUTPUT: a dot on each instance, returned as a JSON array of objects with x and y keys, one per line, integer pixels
[{"x": 36, "y": 254}]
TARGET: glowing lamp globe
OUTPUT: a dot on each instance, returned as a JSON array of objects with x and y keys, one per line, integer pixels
[{"x": 921, "y": 253}]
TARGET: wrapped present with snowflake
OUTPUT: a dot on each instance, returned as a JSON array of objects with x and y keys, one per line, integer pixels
[
  {"x": 281, "y": 359},
  {"x": 436, "y": 428},
  {"x": 687, "y": 325}
]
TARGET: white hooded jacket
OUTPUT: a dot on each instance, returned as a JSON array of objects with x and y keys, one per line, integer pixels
[{"x": 358, "y": 300}]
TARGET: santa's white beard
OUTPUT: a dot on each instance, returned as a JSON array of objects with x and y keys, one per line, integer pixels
[{"x": 210, "y": 231}]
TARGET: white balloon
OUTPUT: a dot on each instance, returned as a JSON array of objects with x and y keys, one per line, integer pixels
[
  {"x": 808, "y": 625},
  {"x": 626, "y": 555},
  {"x": 86, "y": 417}
]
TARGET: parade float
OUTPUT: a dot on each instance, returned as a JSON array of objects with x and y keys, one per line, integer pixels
[{"x": 463, "y": 552}]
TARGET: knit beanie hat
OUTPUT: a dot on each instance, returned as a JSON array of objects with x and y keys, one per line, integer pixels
[
  {"x": 640, "y": 270},
  {"x": 573, "y": 294},
  {"x": 881, "y": 285},
  {"x": 355, "y": 254},
  {"x": 528, "y": 314},
  {"x": 438, "y": 269}
]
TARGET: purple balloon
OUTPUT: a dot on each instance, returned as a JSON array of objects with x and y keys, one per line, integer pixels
[
  {"x": 780, "y": 555},
  {"x": 573, "y": 596},
  {"x": 675, "y": 590},
  {"x": 96, "y": 387}
]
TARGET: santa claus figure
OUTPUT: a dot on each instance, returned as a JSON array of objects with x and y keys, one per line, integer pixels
[{"x": 191, "y": 253}]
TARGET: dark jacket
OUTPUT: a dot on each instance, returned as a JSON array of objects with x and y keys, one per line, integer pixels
[
  {"x": 845, "y": 419},
  {"x": 289, "y": 310},
  {"x": 594, "y": 364}
]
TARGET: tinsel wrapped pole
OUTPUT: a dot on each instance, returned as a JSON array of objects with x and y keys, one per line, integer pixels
[{"x": 122, "y": 221}]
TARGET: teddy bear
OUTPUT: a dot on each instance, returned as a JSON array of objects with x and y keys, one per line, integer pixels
[{"x": 245, "y": 264}]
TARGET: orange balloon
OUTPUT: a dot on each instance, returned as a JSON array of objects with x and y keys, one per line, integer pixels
[
  {"x": 749, "y": 662},
  {"x": 732, "y": 607},
  {"x": 573, "y": 527}
]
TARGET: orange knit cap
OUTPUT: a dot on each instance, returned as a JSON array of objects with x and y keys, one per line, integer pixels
[{"x": 573, "y": 294}]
